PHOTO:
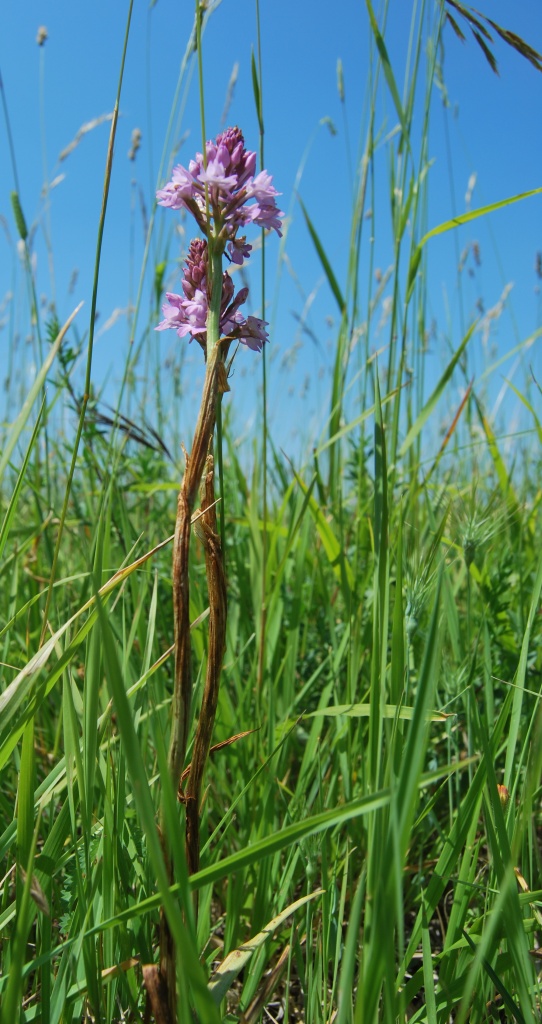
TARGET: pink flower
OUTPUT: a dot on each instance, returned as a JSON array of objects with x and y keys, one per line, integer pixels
[
  {"x": 231, "y": 185},
  {"x": 187, "y": 314},
  {"x": 238, "y": 250}
]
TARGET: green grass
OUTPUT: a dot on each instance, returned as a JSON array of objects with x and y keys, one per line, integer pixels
[{"x": 358, "y": 862}]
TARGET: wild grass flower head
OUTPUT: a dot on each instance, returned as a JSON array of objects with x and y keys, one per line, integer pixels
[
  {"x": 187, "y": 313},
  {"x": 477, "y": 521},
  {"x": 223, "y": 194}
]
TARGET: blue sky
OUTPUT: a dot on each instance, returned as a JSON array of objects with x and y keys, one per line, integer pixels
[{"x": 491, "y": 129}]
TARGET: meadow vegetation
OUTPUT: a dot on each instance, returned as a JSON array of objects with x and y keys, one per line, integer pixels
[{"x": 370, "y": 819}]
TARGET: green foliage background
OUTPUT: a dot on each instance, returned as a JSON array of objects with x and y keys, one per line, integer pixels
[{"x": 360, "y": 860}]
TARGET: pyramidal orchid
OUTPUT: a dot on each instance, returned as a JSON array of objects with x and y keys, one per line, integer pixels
[{"x": 224, "y": 195}]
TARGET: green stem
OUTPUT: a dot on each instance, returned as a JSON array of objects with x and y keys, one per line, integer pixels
[{"x": 263, "y": 616}]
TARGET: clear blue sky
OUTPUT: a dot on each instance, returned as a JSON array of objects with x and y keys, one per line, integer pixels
[{"x": 493, "y": 130}]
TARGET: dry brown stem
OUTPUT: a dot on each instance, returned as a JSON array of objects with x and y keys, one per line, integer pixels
[
  {"x": 195, "y": 464},
  {"x": 182, "y": 692},
  {"x": 216, "y": 584},
  {"x": 213, "y": 387}
]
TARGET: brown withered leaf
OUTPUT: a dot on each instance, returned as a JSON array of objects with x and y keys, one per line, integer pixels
[
  {"x": 218, "y": 746},
  {"x": 126, "y": 965}
]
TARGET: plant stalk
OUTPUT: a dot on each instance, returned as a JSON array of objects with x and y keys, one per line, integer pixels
[{"x": 182, "y": 693}]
